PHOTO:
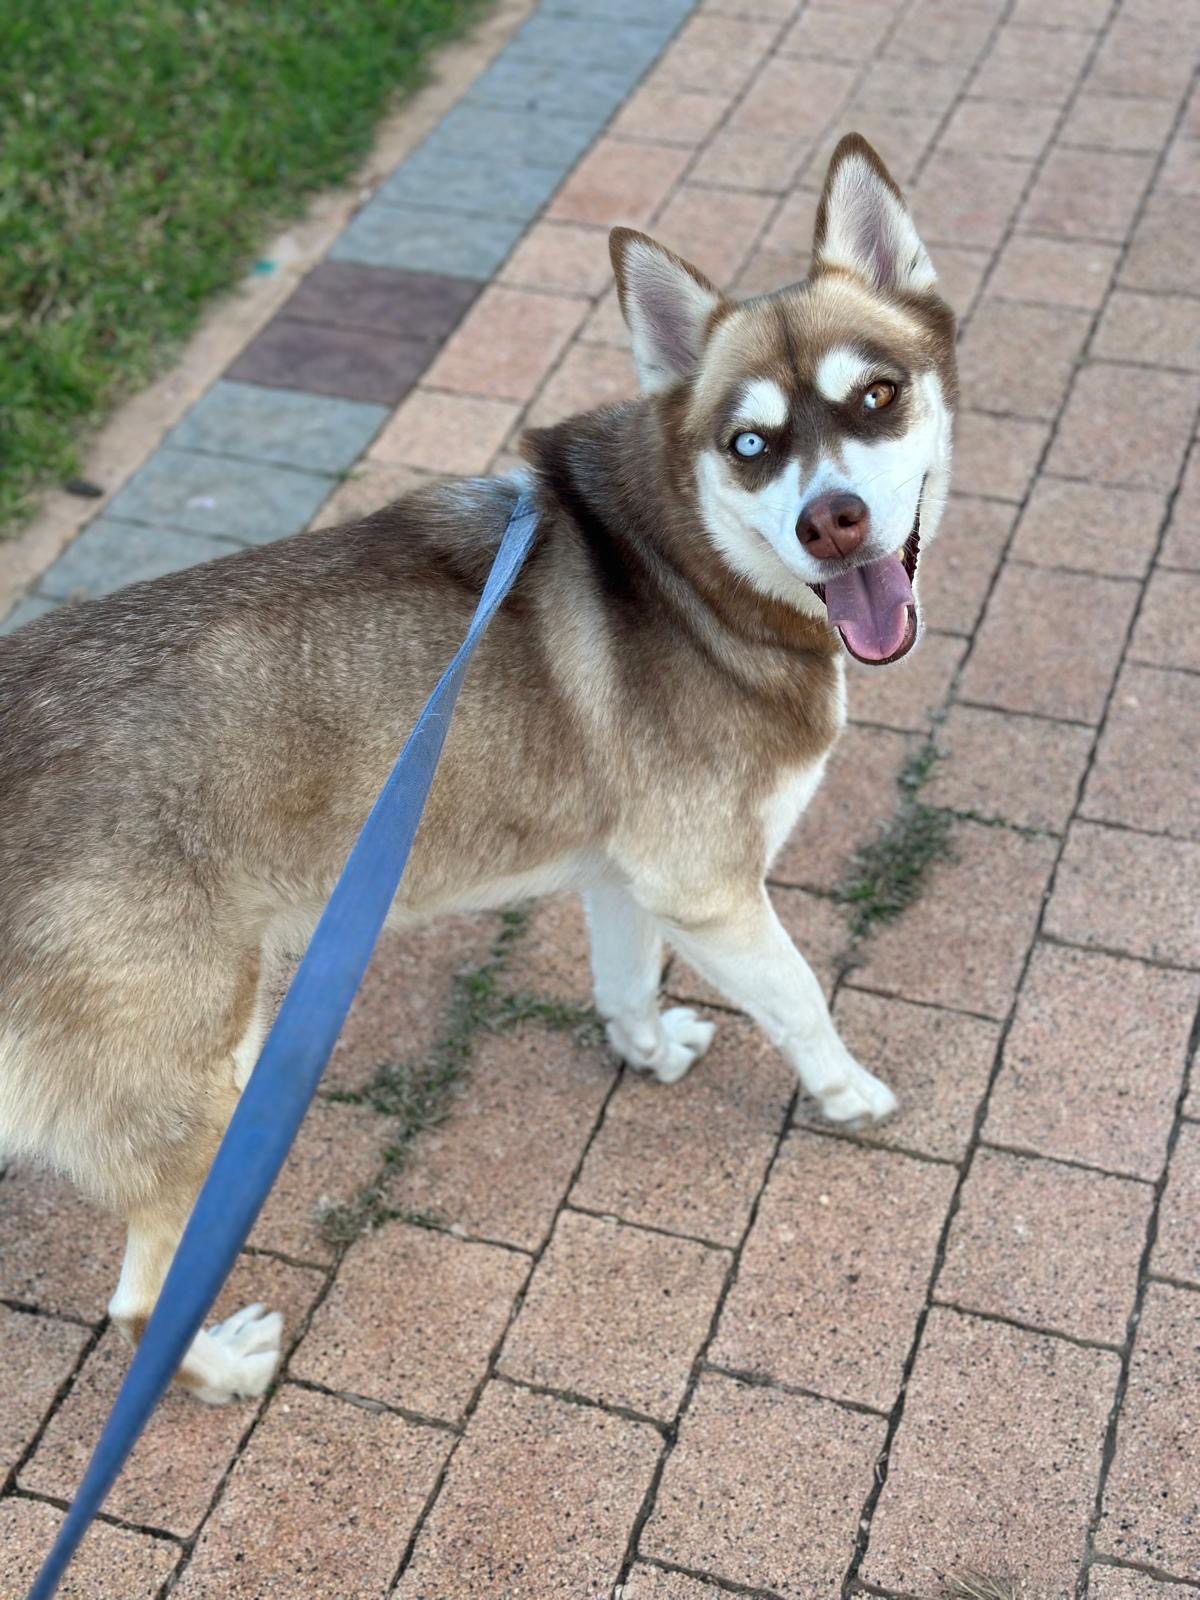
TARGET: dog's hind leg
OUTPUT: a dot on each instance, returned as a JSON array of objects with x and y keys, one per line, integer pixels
[
  {"x": 626, "y": 968},
  {"x": 237, "y": 1357},
  {"x": 749, "y": 956},
  {"x": 246, "y": 1053}
]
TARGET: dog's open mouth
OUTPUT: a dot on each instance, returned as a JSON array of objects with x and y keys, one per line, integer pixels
[{"x": 873, "y": 607}]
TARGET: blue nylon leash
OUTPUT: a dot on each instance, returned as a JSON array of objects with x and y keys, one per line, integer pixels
[{"x": 283, "y": 1082}]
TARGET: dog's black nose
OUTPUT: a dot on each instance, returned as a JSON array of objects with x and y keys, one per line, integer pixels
[{"x": 833, "y": 526}]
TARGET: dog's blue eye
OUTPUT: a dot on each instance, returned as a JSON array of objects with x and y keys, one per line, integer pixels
[{"x": 749, "y": 444}]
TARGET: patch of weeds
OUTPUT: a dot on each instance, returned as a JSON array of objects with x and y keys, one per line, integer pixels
[
  {"x": 887, "y": 875},
  {"x": 343, "y": 1221},
  {"x": 916, "y": 769},
  {"x": 976, "y": 1586},
  {"x": 419, "y": 1094},
  {"x": 422, "y": 1219},
  {"x": 966, "y": 815}
]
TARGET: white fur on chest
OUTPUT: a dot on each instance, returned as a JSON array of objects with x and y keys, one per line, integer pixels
[{"x": 788, "y": 803}]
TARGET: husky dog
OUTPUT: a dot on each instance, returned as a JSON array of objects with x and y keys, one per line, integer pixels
[{"x": 184, "y": 765}]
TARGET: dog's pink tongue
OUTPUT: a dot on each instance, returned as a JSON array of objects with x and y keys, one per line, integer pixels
[{"x": 870, "y": 605}]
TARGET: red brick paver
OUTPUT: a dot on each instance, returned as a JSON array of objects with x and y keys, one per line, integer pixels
[
  {"x": 111, "y": 1561},
  {"x": 1050, "y": 643},
  {"x": 857, "y": 796},
  {"x": 37, "y": 1356},
  {"x": 412, "y": 1320},
  {"x": 984, "y": 905},
  {"x": 345, "y": 1485},
  {"x": 1026, "y": 1238},
  {"x": 1147, "y": 771},
  {"x": 533, "y": 1102},
  {"x": 1122, "y": 1583},
  {"x": 995, "y": 1463},
  {"x": 1003, "y": 768},
  {"x": 1152, "y": 1499},
  {"x": 825, "y": 1298},
  {"x": 1177, "y": 1249},
  {"x": 617, "y": 1314},
  {"x": 1094, "y": 1061},
  {"x": 1128, "y": 891},
  {"x": 763, "y": 1488},
  {"x": 537, "y": 1485},
  {"x": 937, "y": 1061},
  {"x": 691, "y": 1159},
  {"x": 1089, "y": 527},
  {"x": 656, "y": 1583}
]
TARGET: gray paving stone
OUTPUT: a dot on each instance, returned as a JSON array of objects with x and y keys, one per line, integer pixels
[
  {"x": 649, "y": 11},
  {"x": 111, "y": 553},
  {"x": 424, "y": 239},
  {"x": 219, "y": 495},
  {"x": 466, "y": 183},
  {"x": 315, "y": 432},
  {"x": 611, "y": 42},
  {"x": 531, "y": 85},
  {"x": 501, "y": 134},
  {"x": 28, "y": 610}
]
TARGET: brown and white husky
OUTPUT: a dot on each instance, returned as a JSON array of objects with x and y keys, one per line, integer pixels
[{"x": 185, "y": 764}]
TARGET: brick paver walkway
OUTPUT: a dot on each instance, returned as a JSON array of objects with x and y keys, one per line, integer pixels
[{"x": 586, "y": 1335}]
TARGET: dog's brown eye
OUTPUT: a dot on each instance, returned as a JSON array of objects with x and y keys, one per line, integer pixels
[{"x": 879, "y": 395}]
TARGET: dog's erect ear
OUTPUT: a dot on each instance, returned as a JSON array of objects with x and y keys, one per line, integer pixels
[
  {"x": 667, "y": 304},
  {"x": 863, "y": 225}
]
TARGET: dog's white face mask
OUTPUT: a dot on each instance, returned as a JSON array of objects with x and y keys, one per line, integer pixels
[{"x": 820, "y": 418}]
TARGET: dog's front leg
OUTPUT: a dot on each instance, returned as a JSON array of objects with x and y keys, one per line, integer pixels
[
  {"x": 626, "y": 969},
  {"x": 754, "y": 963}
]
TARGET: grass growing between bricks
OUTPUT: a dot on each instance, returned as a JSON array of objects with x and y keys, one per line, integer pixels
[
  {"x": 887, "y": 875},
  {"x": 145, "y": 149},
  {"x": 420, "y": 1094}
]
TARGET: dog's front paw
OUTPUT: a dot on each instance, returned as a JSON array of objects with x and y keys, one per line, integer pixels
[
  {"x": 667, "y": 1046},
  {"x": 863, "y": 1098},
  {"x": 236, "y": 1359},
  {"x": 688, "y": 1037}
]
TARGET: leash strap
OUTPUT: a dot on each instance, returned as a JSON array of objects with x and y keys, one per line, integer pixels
[{"x": 273, "y": 1103}]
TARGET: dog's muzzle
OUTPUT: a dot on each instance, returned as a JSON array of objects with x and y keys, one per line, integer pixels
[{"x": 873, "y": 606}]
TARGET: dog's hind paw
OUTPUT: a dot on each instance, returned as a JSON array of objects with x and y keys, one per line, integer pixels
[
  {"x": 667, "y": 1047},
  {"x": 237, "y": 1358}
]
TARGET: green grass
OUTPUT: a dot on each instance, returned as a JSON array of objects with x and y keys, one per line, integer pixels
[{"x": 146, "y": 148}]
